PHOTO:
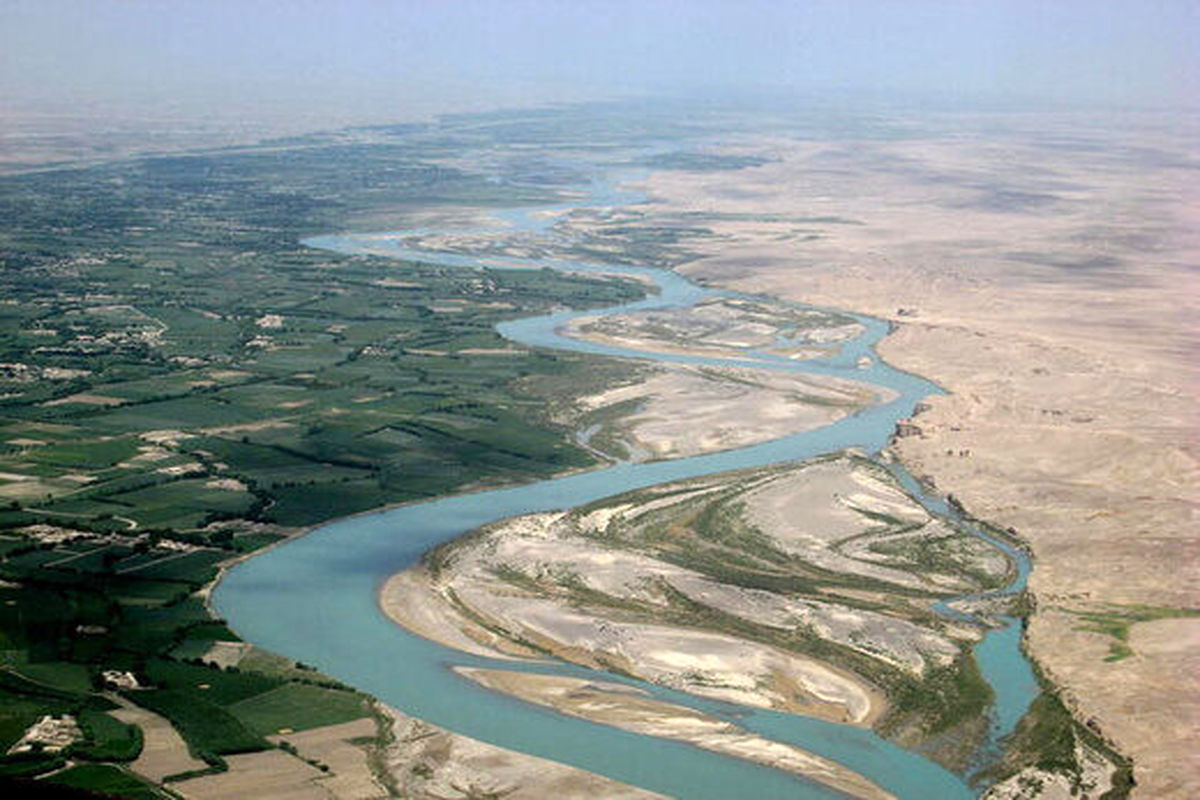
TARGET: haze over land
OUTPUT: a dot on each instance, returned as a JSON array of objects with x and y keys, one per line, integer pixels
[
  {"x": 256, "y": 276},
  {"x": 191, "y": 70}
]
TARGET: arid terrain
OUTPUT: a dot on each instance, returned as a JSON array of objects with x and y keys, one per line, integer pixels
[
  {"x": 431, "y": 763},
  {"x": 1044, "y": 273},
  {"x": 679, "y": 410},
  {"x": 725, "y": 327},
  {"x": 624, "y": 707}
]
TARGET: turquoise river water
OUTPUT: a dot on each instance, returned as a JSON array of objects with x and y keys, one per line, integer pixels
[{"x": 315, "y": 599}]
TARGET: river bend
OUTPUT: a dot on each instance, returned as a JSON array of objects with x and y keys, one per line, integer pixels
[{"x": 314, "y": 599}]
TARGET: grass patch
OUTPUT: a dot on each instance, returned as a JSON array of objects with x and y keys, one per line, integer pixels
[
  {"x": 59, "y": 674},
  {"x": 221, "y": 687},
  {"x": 182, "y": 504},
  {"x": 15, "y": 719},
  {"x": 24, "y": 765},
  {"x": 63, "y": 701},
  {"x": 255, "y": 541},
  {"x": 107, "y": 738},
  {"x": 197, "y": 567},
  {"x": 208, "y": 729},
  {"x": 86, "y": 455},
  {"x": 298, "y": 707},
  {"x": 107, "y": 781},
  {"x": 1115, "y": 623}
]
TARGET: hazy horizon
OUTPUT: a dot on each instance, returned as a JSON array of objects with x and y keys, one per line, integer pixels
[{"x": 362, "y": 61}]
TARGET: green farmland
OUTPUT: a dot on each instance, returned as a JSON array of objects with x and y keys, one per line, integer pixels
[{"x": 183, "y": 382}]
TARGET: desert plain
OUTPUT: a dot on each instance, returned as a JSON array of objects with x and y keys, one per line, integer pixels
[{"x": 1043, "y": 270}]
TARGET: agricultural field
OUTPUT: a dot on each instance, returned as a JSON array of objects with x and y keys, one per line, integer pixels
[
  {"x": 82, "y": 625},
  {"x": 172, "y": 356},
  {"x": 183, "y": 382}
]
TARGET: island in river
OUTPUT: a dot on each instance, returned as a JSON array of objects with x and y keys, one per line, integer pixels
[{"x": 804, "y": 588}]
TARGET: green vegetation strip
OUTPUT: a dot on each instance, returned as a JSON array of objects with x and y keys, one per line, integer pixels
[
  {"x": 1117, "y": 622},
  {"x": 298, "y": 707},
  {"x": 106, "y": 780},
  {"x": 209, "y": 729}
]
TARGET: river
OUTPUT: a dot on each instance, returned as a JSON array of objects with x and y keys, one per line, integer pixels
[{"x": 314, "y": 599}]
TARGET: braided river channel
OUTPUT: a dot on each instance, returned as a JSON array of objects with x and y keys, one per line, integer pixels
[{"x": 315, "y": 598}]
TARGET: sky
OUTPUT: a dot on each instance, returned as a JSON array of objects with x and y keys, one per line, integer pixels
[{"x": 369, "y": 60}]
